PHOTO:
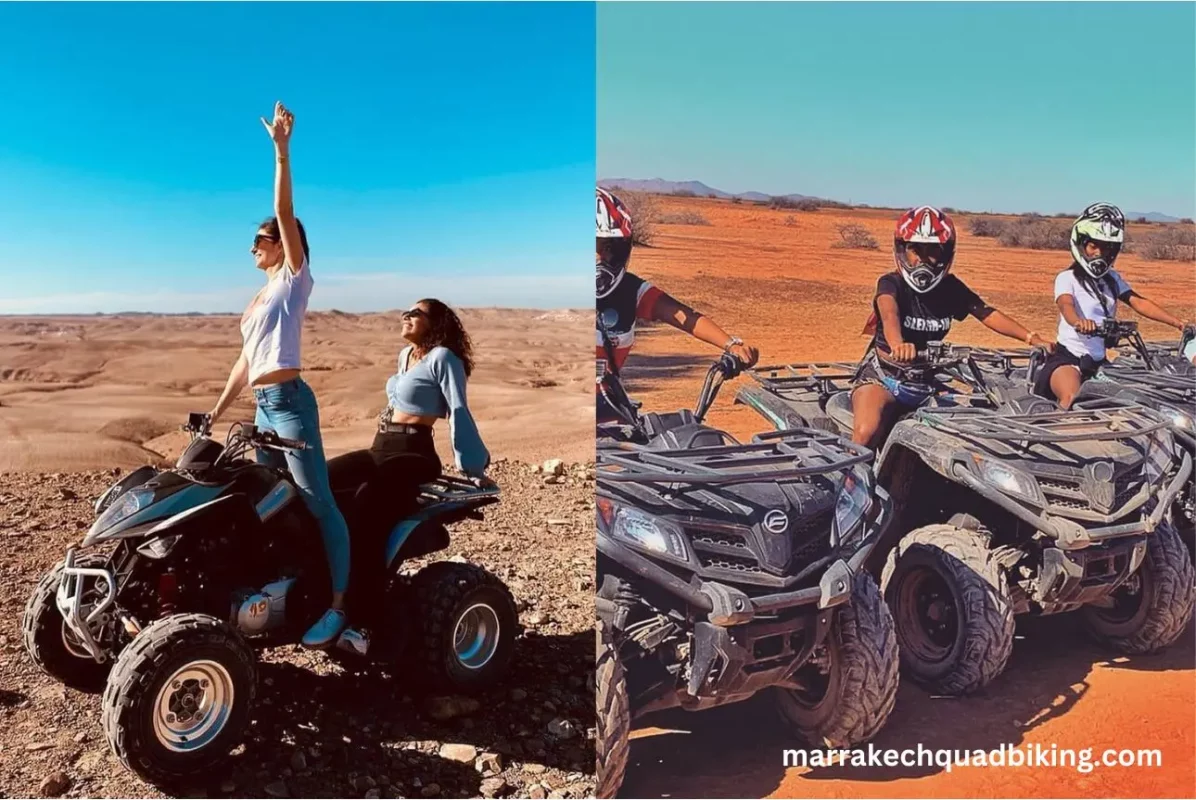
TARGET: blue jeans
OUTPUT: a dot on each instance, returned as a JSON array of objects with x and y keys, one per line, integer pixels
[{"x": 290, "y": 410}]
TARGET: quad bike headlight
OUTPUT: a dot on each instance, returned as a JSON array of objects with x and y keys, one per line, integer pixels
[
  {"x": 126, "y": 505},
  {"x": 1181, "y": 420},
  {"x": 1009, "y": 480},
  {"x": 851, "y": 504},
  {"x": 649, "y": 533}
]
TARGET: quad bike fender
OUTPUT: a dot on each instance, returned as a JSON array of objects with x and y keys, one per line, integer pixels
[
  {"x": 233, "y": 513},
  {"x": 779, "y": 414},
  {"x": 426, "y": 531}
]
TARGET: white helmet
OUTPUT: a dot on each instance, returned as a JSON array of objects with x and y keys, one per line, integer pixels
[
  {"x": 1100, "y": 222},
  {"x": 613, "y": 246}
]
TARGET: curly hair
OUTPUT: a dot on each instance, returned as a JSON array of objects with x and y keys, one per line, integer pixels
[{"x": 445, "y": 330}]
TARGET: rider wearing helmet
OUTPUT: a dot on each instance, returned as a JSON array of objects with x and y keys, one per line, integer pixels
[
  {"x": 914, "y": 305},
  {"x": 624, "y": 298},
  {"x": 1087, "y": 294}
]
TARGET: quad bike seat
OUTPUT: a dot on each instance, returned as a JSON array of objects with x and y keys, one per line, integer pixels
[{"x": 680, "y": 430}]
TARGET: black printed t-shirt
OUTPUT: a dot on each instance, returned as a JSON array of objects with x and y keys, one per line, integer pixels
[{"x": 925, "y": 317}]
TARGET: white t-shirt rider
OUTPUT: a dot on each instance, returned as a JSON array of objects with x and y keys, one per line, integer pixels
[
  {"x": 273, "y": 326},
  {"x": 1089, "y": 306}
]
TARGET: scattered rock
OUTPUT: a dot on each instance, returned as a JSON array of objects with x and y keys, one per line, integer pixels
[
  {"x": 537, "y": 792},
  {"x": 80, "y": 737},
  {"x": 37, "y": 747},
  {"x": 518, "y": 695},
  {"x": 373, "y": 793},
  {"x": 493, "y": 787},
  {"x": 461, "y": 753},
  {"x": 534, "y": 769},
  {"x": 553, "y": 466},
  {"x": 277, "y": 789},
  {"x": 228, "y": 787},
  {"x": 55, "y": 784},
  {"x": 431, "y": 790},
  {"x": 298, "y": 761},
  {"x": 67, "y": 494},
  {"x": 562, "y": 728},
  {"x": 489, "y": 764},
  {"x": 446, "y": 708}
]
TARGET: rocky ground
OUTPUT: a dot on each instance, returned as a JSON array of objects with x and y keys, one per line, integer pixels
[{"x": 319, "y": 731}]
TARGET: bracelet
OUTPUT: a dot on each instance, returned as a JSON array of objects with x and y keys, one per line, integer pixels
[
  {"x": 280, "y": 159},
  {"x": 735, "y": 340}
]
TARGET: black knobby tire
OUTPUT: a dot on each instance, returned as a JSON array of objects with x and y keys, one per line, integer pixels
[
  {"x": 141, "y": 674},
  {"x": 612, "y": 743},
  {"x": 444, "y": 592},
  {"x": 861, "y": 677},
  {"x": 972, "y": 645},
  {"x": 44, "y": 635},
  {"x": 1156, "y": 615}
]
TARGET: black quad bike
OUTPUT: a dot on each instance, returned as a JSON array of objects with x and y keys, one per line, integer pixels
[
  {"x": 187, "y": 571},
  {"x": 725, "y": 569},
  {"x": 1150, "y": 375},
  {"x": 1007, "y": 505}
]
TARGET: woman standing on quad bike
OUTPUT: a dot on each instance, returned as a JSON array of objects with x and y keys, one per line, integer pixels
[
  {"x": 914, "y": 305},
  {"x": 429, "y": 385},
  {"x": 271, "y": 329},
  {"x": 623, "y": 298},
  {"x": 1087, "y": 294}
]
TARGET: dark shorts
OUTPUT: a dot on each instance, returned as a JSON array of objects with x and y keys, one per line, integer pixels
[
  {"x": 908, "y": 393},
  {"x": 406, "y": 457},
  {"x": 1062, "y": 357}
]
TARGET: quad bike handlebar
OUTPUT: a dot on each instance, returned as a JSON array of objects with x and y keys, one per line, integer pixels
[{"x": 726, "y": 368}]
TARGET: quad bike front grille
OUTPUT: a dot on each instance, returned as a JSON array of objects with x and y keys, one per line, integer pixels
[
  {"x": 710, "y": 536},
  {"x": 1065, "y": 494},
  {"x": 744, "y": 565}
]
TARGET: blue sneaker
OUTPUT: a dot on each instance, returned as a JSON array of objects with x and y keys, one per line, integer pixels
[{"x": 324, "y": 633}]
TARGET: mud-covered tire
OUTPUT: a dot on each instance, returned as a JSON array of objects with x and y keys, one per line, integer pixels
[
  {"x": 445, "y": 593},
  {"x": 612, "y": 744},
  {"x": 45, "y": 637},
  {"x": 1164, "y": 601},
  {"x": 862, "y": 675},
  {"x": 140, "y": 693},
  {"x": 972, "y": 645}
]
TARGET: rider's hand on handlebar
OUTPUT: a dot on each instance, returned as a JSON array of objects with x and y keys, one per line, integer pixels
[
  {"x": 482, "y": 482},
  {"x": 906, "y": 351},
  {"x": 746, "y": 354},
  {"x": 1038, "y": 341},
  {"x": 1086, "y": 326}
]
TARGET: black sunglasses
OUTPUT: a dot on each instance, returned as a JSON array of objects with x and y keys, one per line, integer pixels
[
  {"x": 262, "y": 237},
  {"x": 414, "y": 312}
]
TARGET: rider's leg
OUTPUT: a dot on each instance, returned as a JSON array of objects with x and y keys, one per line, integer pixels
[
  {"x": 870, "y": 404},
  {"x": 291, "y": 411},
  {"x": 1065, "y": 383}
]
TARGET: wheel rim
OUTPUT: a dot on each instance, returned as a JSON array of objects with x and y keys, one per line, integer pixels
[
  {"x": 475, "y": 637},
  {"x": 819, "y": 677},
  {"x": 73, "y": 644},
  {"x": 927, "y": 607},
  {"x": 1127, "y": 600},
  {"x": 193, "y": 706}
]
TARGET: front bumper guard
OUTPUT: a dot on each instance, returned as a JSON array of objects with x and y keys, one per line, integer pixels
[{"x": 69, "y": 600}]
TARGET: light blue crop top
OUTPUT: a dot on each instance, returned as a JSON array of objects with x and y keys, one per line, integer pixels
[{"x": 435, "y": 387}]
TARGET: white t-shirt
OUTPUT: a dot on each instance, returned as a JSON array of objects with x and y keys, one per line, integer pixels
[
  {"x": 271, "y": 328},
  {"x": 1088, "y": 306}
]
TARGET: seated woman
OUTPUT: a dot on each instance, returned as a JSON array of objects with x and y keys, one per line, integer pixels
[
  {"x": 914, "y": 305},
  {"x": 429, "y": 385},
  {"x": 1087, "y": 294}
]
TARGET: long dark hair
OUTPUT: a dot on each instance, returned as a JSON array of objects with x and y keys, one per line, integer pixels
[
  {"x": 445, "y": 330},
  {"x": 1090, "y": 285},
  {"x": 270, "y": 225}
]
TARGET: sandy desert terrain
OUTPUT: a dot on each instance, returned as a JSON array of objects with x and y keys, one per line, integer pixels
[
  {"x": 83, "y": 398},
  {"x": 111, "y": 391},
  {"x": 774, "y": 278}
]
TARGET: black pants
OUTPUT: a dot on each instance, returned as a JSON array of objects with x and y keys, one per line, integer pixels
[
  {"x": 1062, "y": 357},
  {"x": 406, "y": 459}
]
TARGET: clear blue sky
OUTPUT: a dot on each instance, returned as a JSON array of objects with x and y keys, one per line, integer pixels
[
  {"x": 438, "y": 149},
  {"x": 1031, "y": 106}
]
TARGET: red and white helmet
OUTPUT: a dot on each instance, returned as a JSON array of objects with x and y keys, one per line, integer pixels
[
  {"x": 613, "y": 246},
  {"x": 929, "y": 235}
]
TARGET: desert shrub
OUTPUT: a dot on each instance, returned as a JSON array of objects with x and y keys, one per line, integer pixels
[
  {"x": 1035, "y": 233},
  {"x": 644, "y": 214},
  {"x": 712, "y": 196},
  {"x": 1170, "y": 243},
  {"x": 855, "y": 237},
  {"x": 949, "y": 210},
  {"x": 736, "y": 200},
  {"x": 1187, "y": 221},
  {"x": 684, "y": 193},
  {"x": 682, "y": 218},
  {"x": 985, "y": 226},
  {"x": 1064, "y": 215},
  {"x": 1142, "y": 221},
  {"x": 794, "y": 204},
  {"x": 832, "y": 204},
  {"x": 790, "y": 221}
]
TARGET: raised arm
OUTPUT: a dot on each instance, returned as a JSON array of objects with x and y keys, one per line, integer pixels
[
  {"x": 470, "y": 453},
  {"x": 284, "y": 206}
]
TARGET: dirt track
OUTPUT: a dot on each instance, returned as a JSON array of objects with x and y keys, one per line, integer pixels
[
  {"x": 773, "y": 278},
  {"x": 319, "y": 732}
]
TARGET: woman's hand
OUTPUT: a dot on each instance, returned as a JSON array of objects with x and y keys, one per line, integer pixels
[
  {"x": 1037, "y": 341},
  {"x": 904, "y": 352},
  {"x": 1085, "y": 326},
  {"x": 482, "y": 482},
  {"x": 747, "y": 354},
  {"x": 282, "y": 125}
]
